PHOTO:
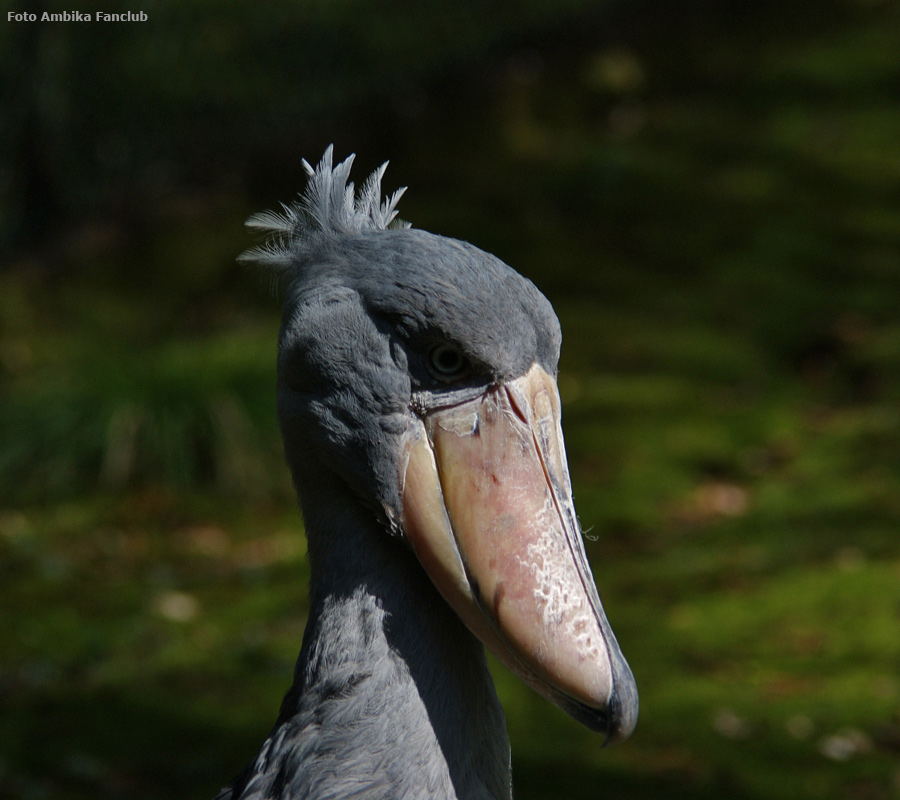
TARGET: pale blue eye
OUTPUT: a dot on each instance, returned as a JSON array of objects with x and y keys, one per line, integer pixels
[{"x": 446, "y": 361}]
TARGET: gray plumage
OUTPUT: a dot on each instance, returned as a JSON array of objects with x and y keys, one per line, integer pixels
[{"x": 391, "y": 695}]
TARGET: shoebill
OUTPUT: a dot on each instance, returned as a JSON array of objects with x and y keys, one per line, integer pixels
[{"x": 421, "y": 423}]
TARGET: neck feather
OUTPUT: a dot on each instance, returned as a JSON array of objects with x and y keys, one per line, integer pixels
[{"x": 391, "y": 695}]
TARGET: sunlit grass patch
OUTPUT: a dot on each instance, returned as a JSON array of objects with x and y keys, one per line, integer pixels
[
  {"x": 142, "y": 619},
  {"x": 187, "y": 413}
]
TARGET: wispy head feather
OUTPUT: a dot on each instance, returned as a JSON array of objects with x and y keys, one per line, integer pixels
[{"x": 329, "y": 206}]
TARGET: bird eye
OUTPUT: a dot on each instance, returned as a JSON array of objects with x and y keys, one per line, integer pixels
[{"x": 446, "y": 361}]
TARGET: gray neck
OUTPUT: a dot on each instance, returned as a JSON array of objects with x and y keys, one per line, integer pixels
[{"x": 391, "y": 695}]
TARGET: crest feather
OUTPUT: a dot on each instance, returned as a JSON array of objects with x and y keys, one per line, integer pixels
[{"x": 328, "y": 206}]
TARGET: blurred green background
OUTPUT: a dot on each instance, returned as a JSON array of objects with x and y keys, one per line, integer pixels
[{"x": 708, "y": 192}]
